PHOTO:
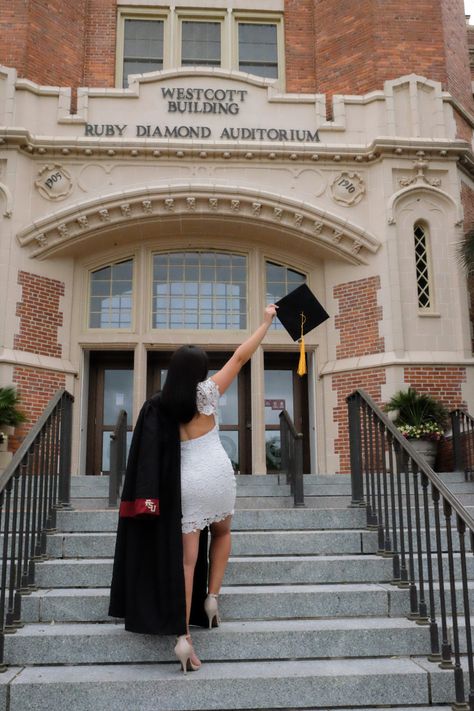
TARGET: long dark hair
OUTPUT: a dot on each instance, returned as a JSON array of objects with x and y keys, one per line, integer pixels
[{"x": 188, "y": 367}]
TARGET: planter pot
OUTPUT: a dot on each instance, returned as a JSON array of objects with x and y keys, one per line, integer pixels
[{"x": 426, "y": 448}]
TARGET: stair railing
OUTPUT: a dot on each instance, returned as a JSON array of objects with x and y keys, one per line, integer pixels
[
  {"x": 396, "y": 486},
  {"x": 462, "y": 424},
  {"x": 291, "y": 445},
  {"x": 118, "y": 458},
  {"x": 36, "y": 483}
]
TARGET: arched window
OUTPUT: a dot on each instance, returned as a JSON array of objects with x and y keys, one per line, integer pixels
[
  {"x": 422, "y": 265},
  {"x": 280, "y": 280},
  {"x": 201, "y": 289},
  {"x": 110, "y": 296}
]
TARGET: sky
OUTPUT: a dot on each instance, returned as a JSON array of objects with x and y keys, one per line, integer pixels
[{"x": 469, "y": 7}]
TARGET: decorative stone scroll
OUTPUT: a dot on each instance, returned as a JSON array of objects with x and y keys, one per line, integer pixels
[
  {"x": 347, "y": 188},
  {"x": 54, "y": 182}
]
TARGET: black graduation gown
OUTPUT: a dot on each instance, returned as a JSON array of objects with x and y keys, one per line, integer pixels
[{"x": 147, "y": 588}]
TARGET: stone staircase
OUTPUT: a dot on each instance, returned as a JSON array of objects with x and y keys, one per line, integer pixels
[{"x": 310, "y": 618}]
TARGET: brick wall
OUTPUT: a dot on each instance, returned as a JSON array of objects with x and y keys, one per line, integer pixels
[
  {"x": 458, "y": 72},
  {"x": 370, "y": 380},
  {"x": 299, "y": 48},
  {"x": 44, "y": 39},
  {"x": 441, "y": 382},
  {"x": 36, "y": 387},
  {"x": 470, "y": 43},
  {"x": 99, "y": 65},
  {"x": 467, "y": 198},
  {"x": 358, "y": 318},
  {"x": 39, "y": 315}
]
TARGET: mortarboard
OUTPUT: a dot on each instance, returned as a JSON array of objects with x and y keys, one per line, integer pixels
[{"x": 300, "y": 312}]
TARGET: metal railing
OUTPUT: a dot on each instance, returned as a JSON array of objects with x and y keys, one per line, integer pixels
[
  {"x": 405, "y": 500},
  {"x": 118, "y": 458},
  {"x": 35, "y": 484},
  {"x": 462, "y": 424},
  {"x": 291, "y": 443}
]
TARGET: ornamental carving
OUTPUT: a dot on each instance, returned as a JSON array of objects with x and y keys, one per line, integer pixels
[
  {"x": 235, "y": 205},
  {"x": 213, "y": 203},
  {"x": 63, "y": 230},
  {"x": 421, "y": 166},
  {"x": 126, "y": 210},
  {"x": 347, "y": 188},
  {"x": 318, "y": 226},
  {"x": 337, "y": 236},
  {"x": 169, "y": 204},
  {"x": 277, "y": 213},
  {"x": 147, "y": 208},
  {"x": 191, "y": 203},
  {"x": 54, "y": 182},
  {"x": 298, "y": 219},
  {"x": 104, "y": 215},
  {"x": 83, "y": 222},
  {"x": 256, "y": 208},
  {"x": 41, "y": 239}
]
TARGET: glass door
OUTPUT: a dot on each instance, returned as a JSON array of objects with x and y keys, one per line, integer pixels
[
  {"x": 234, "y": 406},
  {"x": 110, "y": 390},
  {"x": 284, "y": 389}
]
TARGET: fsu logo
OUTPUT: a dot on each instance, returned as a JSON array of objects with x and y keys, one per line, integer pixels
[{"x": 150, "y": 505}]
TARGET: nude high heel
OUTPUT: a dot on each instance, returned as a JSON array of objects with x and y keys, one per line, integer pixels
[
  {"x": 184, "y": 651},
  {"x": 211, "y": 609}
]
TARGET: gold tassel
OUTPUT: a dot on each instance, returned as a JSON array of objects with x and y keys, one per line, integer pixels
[{"x": 302, "y": 364}]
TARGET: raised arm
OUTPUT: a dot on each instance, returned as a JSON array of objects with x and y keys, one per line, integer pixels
[{"x": 241, "y": 355}]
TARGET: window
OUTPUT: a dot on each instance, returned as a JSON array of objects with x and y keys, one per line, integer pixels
[
  {"x": 280, "y": 281},
  {"x": 110, "y": 296},
  {"x": 200, "y": 43},
  {"x": 143, "y": 47},
  {"x": 258, "y": 49},
  {"x": 206, "y": 290},
  {"x": 150, "y": 39},
  {"x": 422, "y": 264}
]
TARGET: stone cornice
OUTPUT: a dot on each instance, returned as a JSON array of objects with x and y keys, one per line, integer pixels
[
  {"x": 339, "y": 237},
  {"x": 54, "y": 147},
  {"x": 33, "y": 360},
  {"x": 390, "y": 359}
]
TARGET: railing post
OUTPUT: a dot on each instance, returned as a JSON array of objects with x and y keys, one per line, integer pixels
[
  {"x": 457, "y": 445},
  {"x": 298, "y": 494},
  {"x": 355, "y": 450},
  {"x": 64, "y": 489}
]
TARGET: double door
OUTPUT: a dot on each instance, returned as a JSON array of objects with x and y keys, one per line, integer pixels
[{"x": 111, "y": 389}]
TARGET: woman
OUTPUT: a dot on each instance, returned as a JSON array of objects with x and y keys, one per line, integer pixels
[{"x": 177, "y": 465}]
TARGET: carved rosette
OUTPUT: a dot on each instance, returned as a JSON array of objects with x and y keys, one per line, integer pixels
[{"x": 347, "y": 188}]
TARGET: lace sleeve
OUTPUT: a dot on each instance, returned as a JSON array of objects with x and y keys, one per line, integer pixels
[{"x": 207, "y": 397}]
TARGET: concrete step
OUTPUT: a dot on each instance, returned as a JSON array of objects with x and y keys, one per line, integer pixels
[
  {"x": 233, "y": 641},
  {"x": 251, "y": 570},
  {"x": 276, "y": 519},
  {"x": 244, "y": 602},
  {"x": 234, "y": 685},
  {"x": 102, "y": 545},
  {"x": 287, "y": 502}
]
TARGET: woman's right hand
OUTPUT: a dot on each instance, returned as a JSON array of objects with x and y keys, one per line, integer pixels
[{"x": 270, "y": 313}]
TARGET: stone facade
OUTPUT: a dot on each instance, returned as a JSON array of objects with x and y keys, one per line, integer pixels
[{"x": 327, "y": 171}]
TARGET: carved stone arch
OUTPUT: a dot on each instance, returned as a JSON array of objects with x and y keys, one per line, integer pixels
[
  {"x": 434, "y": 194},
  {"x": 58, "y": 232},
  {"x": 8, "y": 211}
]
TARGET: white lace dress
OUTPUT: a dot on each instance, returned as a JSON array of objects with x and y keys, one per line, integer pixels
[{"x": 208, "y": 484}]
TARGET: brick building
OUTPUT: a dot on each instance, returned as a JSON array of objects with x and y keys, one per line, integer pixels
[{"x": 166, "y": 170}]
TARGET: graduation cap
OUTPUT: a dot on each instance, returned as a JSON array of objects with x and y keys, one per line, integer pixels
[{"x": 300, "y": 312}]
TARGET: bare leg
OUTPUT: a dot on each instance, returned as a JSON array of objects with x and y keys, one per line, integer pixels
[
  {"x": 190, "y": 554},
  {"x": 219, "y": 552}
]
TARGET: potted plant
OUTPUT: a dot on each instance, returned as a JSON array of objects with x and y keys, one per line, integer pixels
[
  {"x": 421, "y": 418},
  {"x": 10, "y": 417}
]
